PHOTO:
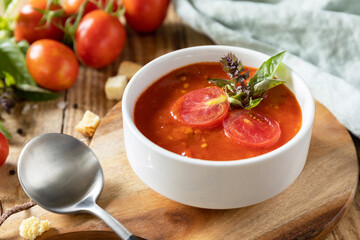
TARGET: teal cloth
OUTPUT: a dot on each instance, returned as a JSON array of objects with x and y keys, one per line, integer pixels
[{"x": 322, "y": 39}]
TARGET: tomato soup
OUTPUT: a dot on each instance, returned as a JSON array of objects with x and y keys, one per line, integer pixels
[{"x": 152, "y": 116}]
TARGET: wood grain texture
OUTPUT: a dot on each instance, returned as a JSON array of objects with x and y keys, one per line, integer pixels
[
  {"x": 309, "y": 208},
  {"x": 88, "y": 94}
]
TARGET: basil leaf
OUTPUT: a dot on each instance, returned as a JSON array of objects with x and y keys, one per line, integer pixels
[
  {"x": 4, "y": 131},
  {"x": 235, "y": 102},
  {"x": 267, "y": 69},
  {"x": 238, "y": 96},
  {"x": 253, "y": 102},
  {"x": 220, "y": 82},
  {"x": 23, "y": 45},
  {"x": 12, "y": 61},
  {"x": 9, "y": 79},
  {"x": 34, "y": 93},
  {"x": 261, "y": 87}
]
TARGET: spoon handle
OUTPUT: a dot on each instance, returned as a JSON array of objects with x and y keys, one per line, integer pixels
[{"x": 117, "y": 227}]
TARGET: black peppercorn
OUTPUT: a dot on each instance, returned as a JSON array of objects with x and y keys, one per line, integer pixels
[{"x": 19, "y": 131}]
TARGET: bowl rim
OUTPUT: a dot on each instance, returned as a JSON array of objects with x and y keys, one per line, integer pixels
[{"x": 128, "y": 119}]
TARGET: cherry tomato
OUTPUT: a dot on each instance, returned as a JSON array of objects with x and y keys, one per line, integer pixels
[
  {"x": 4, "y": 149},
  {"x": 28, "y": 26},
  {"x": 52, "y": 64},
  {"x": 100, "y": 39},
  {"x": 204, "y": 108},
  {"x": 145, "y": 15},
  {"x": 251, "y": 128},
  {"x": 72, "y": 6}
]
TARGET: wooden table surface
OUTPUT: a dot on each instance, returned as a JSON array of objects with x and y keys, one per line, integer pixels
[{"x": 63, "y": 114}]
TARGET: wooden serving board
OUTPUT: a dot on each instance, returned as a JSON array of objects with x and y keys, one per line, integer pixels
[{"x": 309, "y": 208}]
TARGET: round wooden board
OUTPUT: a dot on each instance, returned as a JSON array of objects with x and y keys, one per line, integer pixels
[{"x": 309, "y": 208}]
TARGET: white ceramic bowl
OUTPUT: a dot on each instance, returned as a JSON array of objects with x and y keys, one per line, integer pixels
[{"x": 214, "y": 184}]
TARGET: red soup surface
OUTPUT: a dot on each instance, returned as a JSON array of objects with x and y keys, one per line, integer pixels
[{"x": 152, "y": 116}]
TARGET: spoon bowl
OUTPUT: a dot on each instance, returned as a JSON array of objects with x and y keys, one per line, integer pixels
[
  {"x": 63, "y": 175},
  {"x": 58, "y": 171}
]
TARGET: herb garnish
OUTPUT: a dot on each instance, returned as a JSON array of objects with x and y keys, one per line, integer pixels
[{"x": 240, "y": 94}]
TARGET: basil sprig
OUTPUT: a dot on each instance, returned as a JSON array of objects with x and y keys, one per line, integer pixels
[{"x": 247, "y": 96}]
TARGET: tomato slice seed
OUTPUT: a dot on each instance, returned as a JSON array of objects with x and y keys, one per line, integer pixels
[
  {"x": 204, "y": 108},
  {"x": 251, "y": 128}
]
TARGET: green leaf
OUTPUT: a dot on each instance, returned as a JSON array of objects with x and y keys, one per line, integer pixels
[
  {"x": 9, "y": 8},
  {"x": 5, "y": 132},
  {"x": 24, "y": 46},
  {"x": 5, "y": 3},
  {"x": 261, "y": 87},
  {"x": 253, "y": 102},
  {"x": 4, "y": 23},
  {"x": 9, "y": 79},
  {"x": 34, "y": 93},
  {"x": 238, "y": 96},
  {"x": 235, "y": 102},
  {"x": 12, "y": 61},
  {"x": 220, "y": 82},
  {"x": 5, "y": 31},
  {"x": 268, "y": 69}
]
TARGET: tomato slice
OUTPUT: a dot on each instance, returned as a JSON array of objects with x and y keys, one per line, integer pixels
[
  {"x": 251, "y": 128},
  {"x": 204, "y": 108}
]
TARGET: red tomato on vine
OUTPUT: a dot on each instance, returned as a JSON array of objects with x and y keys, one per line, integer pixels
[
  {"x": 145, "y": 15},
  {"x": 72, "y": 6},
  {"x": 53, "y": 65},
  {"x": 28, "y": 27},
  {"x": 99, "y": 39}
]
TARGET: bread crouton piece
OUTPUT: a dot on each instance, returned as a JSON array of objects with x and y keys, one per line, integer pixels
[
  {"x": 33, "y": 227},
  {"x": 88, "y": 124},
  {"x": 128, "y": 69},
  {"x": 115, "y": 87}
]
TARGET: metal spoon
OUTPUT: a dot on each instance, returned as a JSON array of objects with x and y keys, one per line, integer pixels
[{"x": 63, "y": 175}]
